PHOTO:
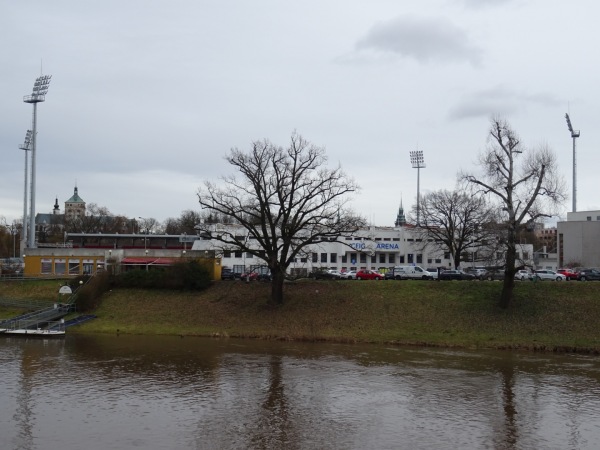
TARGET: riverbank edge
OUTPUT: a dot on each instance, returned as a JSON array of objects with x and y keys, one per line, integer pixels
[{"x": 545, "y": 317}]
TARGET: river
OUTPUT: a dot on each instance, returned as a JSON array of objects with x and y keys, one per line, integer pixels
[{"x": 97, "y": 392}]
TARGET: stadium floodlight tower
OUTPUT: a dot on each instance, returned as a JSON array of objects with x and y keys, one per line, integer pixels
[
  {"x": 418, "y": 162},
  {"x": 40, "y": 89},
  {"x": 574, "y": 135},
  {"x": 26, "y": 147}
]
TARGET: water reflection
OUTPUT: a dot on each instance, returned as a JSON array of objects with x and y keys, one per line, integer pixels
[{"x": 168, "y": 392}]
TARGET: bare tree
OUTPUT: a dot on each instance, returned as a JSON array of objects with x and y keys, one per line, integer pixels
[
  {"x": 148, "y": 225},
  {"x": 455, "y": 222},
  {"x": 525, "y": 183},
  {"x": 286, "y": 199}
]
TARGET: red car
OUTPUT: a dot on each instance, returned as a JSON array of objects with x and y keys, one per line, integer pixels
[
  {"x": 569, "y": 273},
  {"x": 368, "y": 275}
]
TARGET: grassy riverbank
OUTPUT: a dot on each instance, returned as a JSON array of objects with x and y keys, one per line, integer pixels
[{"x": 545, "y": 315}]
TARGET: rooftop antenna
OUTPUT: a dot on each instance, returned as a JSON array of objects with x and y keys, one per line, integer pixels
[
  {"x": 574, "y": 135},
  {"x": 40, "y": 89},
  {"x": 418, "y": 162},
  {"x": 25, "y": 146}
]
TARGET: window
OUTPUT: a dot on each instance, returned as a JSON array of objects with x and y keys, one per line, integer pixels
[
  {"x": 88, "y": 266},
  {"x": 392, "y": 258},
  {"x": 344, "y": 259},
  {"x": 363, "y": 258},
  {"x": 238, "y": 254},
  {"x": 226, "y": 253},
  {"x": 249, "y": 255},
  {"x": 373, "y": 259},
  {"x": 46, "y": 265},
  {"x": 419, "y": 258},
  {"x": 303, "y": 260},
  {"x": 333, "y": 258},
  {"x": 60, "y": 266},
  {"x": 410, "y": 258},
  {"x": 401, "y": 259},
  {"x": 438, "y": 261},
  {"x": 447, "y": 255},
  {"x": 353, "y": 258},
  {"x": 382, "y": 258},
  {"x": 323, "y": 257},
  {"x": 73, "y": 267},
  {"x": 589, "y": 218},
  {"x": 386, "y": 239},
  {"x": 315, "y": 257},
  {"x": 429, "y": 260}
]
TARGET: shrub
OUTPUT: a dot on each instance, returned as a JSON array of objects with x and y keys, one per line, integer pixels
[
  {"x": 89, "y": 294},
  {"x": 191, "y": 276}
]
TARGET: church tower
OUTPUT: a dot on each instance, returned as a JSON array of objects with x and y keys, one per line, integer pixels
[
  {"x": 75, "y": 206},
  {"x": 56, "y": 210},
  {"x": 400, "y": 218}
]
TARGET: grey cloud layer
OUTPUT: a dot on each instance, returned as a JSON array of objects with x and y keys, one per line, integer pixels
[{"x": 423, "y": 39}]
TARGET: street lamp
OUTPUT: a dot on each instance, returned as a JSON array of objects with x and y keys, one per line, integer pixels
[
  {"x": 40, "y": 89},
  {"x": 418, "y": 162},
  {"x": 26, "y": 147},
  {"x": 574, "y": 135},
  {"x": 146, "y": 252}
]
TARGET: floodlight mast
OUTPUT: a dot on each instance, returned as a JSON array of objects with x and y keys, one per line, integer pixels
[
  {"x": 418, "y": 162},
  {"x": 40, "y": 89},
  {"x": 26, "y": 147},
  {"x": 574, "y": 135}
]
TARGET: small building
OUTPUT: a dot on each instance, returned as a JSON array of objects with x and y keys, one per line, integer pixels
[{"x": 578, "y": 241}]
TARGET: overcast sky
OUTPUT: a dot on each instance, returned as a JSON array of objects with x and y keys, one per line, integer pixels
[{"x": 147, "y": 97}]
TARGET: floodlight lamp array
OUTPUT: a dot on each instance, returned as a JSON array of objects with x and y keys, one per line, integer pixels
[
  {"x": 40, "y": 89},
  {"x": 417, "y": 159},
  {"x": 27, "y": 142},
  {"x": 574, "y": 133}
]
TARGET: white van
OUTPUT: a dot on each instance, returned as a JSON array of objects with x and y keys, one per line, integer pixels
[{"x": 415, "y": 272}]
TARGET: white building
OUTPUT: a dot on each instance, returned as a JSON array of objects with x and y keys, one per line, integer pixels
[
  {"x": 377, "y": 248},
  {"x": 578, "y": 239}
]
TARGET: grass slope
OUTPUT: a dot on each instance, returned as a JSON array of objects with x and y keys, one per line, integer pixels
[{"x": 544, "y": 316}]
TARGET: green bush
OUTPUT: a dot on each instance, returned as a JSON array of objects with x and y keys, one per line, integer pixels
[
  {"x": 190, "y": 276},
  {"x": 89, "y": 293}
]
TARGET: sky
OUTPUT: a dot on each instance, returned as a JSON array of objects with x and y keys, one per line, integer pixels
[{"x": 148, "y": 97}]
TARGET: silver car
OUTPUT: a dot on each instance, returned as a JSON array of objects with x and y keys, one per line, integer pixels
[{"x": 548, "y": 275}]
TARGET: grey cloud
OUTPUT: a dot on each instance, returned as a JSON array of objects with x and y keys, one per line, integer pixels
[
  {"x": 499, "y": 100},
  {"x": 479, "y": 4},
  {"x": 423, "y": 39}
]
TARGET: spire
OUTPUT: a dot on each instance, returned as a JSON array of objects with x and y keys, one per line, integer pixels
[
  {"x": 56, "y": 209},
  {"x": 400, "y": 218}
]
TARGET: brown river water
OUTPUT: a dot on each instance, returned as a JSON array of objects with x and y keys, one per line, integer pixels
[{"x": 135, "y": 392}]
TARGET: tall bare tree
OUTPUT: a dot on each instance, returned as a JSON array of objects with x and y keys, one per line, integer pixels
[
  {"x": 455, "y": 222},
  {"x": 524, "y": 183},
  {"x": 285, "y": 198}
]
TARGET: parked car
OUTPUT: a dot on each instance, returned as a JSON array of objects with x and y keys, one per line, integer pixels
[
  {"x": 415, "y": 272},
  {"x": 368, "y": 275},
  {"x": 456, "y": 275},
  {"x": 523, "y": 275},
  {"x": 433, "y": 271},
  {"x": 395, "y": 274},
  {"x": 477, "y": 271},
  {"x": 350, "y": 275},
  {"x": 548, "y": 275},
  {"x": 569, "y": 273},
  {"x": 588, "y": 275},
  {"x": 227, "y": 274},
  {"x": 325, "y": 275},
  {"x": 491, "y": 275}
]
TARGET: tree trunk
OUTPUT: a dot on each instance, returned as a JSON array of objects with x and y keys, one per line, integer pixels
[
  {"x": 278, "y": 278},
  {"x": 509, "y": 274}
]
